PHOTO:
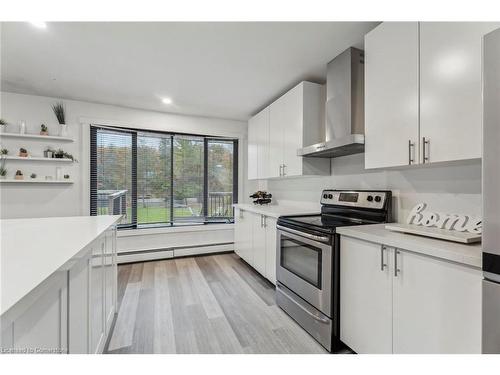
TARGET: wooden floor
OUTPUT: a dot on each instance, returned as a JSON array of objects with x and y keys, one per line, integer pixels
[{"x": 209, "y": 304}]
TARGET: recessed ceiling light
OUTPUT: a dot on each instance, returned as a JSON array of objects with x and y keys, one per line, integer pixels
[
  {"x": 166, "y": 101},
  {"x": 39, "y": 24}
]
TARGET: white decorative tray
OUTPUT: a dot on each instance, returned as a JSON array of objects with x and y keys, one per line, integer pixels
[{"x": 442, "y": 234}]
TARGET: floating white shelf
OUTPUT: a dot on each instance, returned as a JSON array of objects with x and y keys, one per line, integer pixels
[
  {"x": 36, "y": 136},
  {"x": 29, "y": 158},
  {"x": 35, "y": 181}
]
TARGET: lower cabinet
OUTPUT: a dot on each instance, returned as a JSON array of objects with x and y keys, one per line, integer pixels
[
  {"x": 72, "y": 310},
  {"x": 255, "y": 242},
  {"x": 397, "y": 301}
]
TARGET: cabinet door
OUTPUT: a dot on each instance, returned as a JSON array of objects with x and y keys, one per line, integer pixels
[
  {"x": 365, "y": 296},
  {"x": 291, "y": 106},
  {"x": 110, "y": 278},
  {"x": 391, "y": 95},
  {"x": 277, "y": 126},
  {"x": 238, "y": 232},
  {"x": 243, "y": 236},
  {"x": 450, "y": 88},
  {"x": 436, "y": 306},
  {"x": 252, "y": 153},
  {"x": 270, "y": 226},
  {"x": 259, "y": 243},
  {"x": 97, "y": 296},
  {"x": 263, "y": 144}
]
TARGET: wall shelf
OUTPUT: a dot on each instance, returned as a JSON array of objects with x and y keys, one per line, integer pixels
[
  {"x": 36, "y": 136},
  {"x": 34, "y": 181},
  {"x": 29, "y": 158}
]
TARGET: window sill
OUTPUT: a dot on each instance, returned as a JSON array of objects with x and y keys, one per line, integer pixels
[{"x": 174, "y": 229}]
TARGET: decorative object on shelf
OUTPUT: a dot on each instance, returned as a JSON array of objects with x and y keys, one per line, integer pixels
[
  {"x": 4, "y": 151},
  {"x": 61, "y": 154},
  {"x": 44, "y": 130},
  {"x": 66, "y": 176},
  {"x": 60, "y": 113},
  {"x": 59, "y": 173},
  {"x": 451, "y": 227},
  {"x": 261, "y": 197},
  {"x": 33, "y": 175},
  {"x": 48, "y": 153},
  {"x": 3, "y": 125},
  {"x": 23, "y": 152},
  {"x": 19, "y": 175},
  {"x": 48, "y": 178},
  {"x": 3, "y": 170},
  {"x": 22, "y": 127}
]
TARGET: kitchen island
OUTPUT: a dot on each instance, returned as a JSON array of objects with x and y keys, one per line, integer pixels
[{"x": 58, "y": 283}]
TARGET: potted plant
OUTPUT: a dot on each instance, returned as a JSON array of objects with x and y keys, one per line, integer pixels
[
  {"x": 61, "y": 154},
  {"x": 23, "y": 152},
  {"x": 66, "y": 176},
  {"x": 19, "y": 175},
  {"x": 48, "y": 153},
  {"x": 3, "y": 170},
  {"x": 4, "y": 151},
  {"x": 44, "y": 130},
  {"x": 59, "y": 111},
  {"x": 3, "y": 125},
  {"x": 33, "y": 175}
]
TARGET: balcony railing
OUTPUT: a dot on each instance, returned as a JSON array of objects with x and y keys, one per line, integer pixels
[
  {"x": 112, "y": 202},
  {"x": 220, "y": 204}
]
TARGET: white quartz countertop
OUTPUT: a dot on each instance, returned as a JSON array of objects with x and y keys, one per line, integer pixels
[
  {"x": 33, "y": 249},
  {"x": 453, "y": 251},
  {"x": 277, "y": 210}
]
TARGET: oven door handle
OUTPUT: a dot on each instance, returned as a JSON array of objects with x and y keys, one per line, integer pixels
[
  {"x": 302, "y": 234},
  {"x": 311, "y": 314}
]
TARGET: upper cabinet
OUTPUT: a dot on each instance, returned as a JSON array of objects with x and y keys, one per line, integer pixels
[
  {"x": 423, "y": 97},
  {"x": 294, "y": 120}
]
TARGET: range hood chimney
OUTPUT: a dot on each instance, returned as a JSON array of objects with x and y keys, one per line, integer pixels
[{"x": 345, "y": 108}]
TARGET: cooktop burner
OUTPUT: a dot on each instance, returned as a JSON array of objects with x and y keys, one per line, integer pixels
[{"x": 322, "y": 222}]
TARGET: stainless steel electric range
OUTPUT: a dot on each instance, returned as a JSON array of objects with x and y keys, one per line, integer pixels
[{"x": 308, "y": 251}]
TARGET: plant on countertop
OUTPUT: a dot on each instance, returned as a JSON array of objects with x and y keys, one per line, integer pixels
[
  {"x": 61, "y": 154},
  {"x": 33, "y": 175},
  {"x": 44, "y": 130},
  {"x": 59, "y": 111},
  {"x": 19, "y": 175},
  {"x": 23, "y": 152},
  {"x": 4, "y": 151}
]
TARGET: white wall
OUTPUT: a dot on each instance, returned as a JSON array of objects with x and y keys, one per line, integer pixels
[
  {"x": 454, "y": 188},
  {"x": 19, "y": 200}
]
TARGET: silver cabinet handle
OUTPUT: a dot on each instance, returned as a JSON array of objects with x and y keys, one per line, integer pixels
[
  {"x": 411, "y": 146},
  {"x": 281, "y": 173},
  {"x": 302, "y": 234},
  {"x": 425, "y": 149},
  {"x": 396, "y": 269},
  {"x": 382, "y": 264},
  {"x": 264, "y": 220}
]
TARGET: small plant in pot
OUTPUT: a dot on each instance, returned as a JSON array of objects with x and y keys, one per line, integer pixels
[
  {"x": 3, "y": 125},
  {"x": 19, "y": 175},
  {"x": 23, "y": 152},
  {"x": 60, "y": 113},
  {"x": 66, "y": 176},
  {"x": 44, "y": 130},
  {"x": 4, "y": 152},
  {"x": 3, "y": 170},
  {"x": 33, "y": 175},
  {"x": 61, "y": 154}
]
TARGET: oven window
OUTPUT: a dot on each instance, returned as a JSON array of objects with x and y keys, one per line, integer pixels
[{"x": 301, "y": 259}]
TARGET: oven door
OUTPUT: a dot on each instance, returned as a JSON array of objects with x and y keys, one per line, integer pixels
[{"x": 304, "y": 266}]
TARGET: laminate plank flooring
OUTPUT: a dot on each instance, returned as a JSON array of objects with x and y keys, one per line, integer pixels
[{"x": 206, "y": 304}]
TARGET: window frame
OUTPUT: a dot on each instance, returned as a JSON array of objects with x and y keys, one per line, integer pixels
[{"x": 134, "y": 133}]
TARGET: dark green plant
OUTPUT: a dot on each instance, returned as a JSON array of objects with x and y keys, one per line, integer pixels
[
  {"x": 3, "y": 170},
  {"x": 4, "y": 151},
  {"x": 61, "y": 154},
  {"x": 43, "y": 128},
  {"x": 59, "y": 111},
  {"x": 33, "y": 175},
  {"x": 3, "y": 122},
  {"x": 66, "y": 176}
]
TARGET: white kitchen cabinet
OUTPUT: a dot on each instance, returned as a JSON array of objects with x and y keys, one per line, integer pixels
[
  {"x": 271, "y": 248},
  {"x": 451, "y": 90},
  {"x": 397, "y": 301},
  {"x": 110, "y": 278},
  {"x": 423, "y": 100},
  {"x": 293, "y": 121},
  {"x": 391, "y": 95},
  {"x": 255, "y": 242},
  {"x": 366, "y": 296},
  {"x": 436, "y": 306},
  {"x": 258, "y": 145},
  {"x": 97, "y": 296}
]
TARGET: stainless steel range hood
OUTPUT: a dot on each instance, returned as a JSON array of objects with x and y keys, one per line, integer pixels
[{"x": 345, "y": 109}]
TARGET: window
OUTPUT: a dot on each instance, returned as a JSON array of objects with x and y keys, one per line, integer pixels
[{"x": 161, "y": 178}]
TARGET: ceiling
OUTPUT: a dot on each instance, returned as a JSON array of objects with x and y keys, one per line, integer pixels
[{"x": 226, "y": 70}]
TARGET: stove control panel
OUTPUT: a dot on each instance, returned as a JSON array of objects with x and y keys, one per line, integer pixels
[{"x": 353, "y": 198}]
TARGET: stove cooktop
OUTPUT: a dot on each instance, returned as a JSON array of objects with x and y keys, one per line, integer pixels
[{"x": 325, "y": 223}]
